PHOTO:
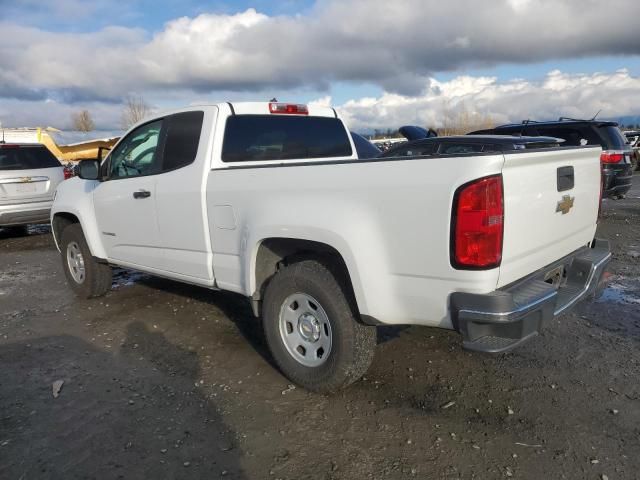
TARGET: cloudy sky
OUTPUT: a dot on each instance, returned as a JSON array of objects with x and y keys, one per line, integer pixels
[{"x": 381, "y": 63}]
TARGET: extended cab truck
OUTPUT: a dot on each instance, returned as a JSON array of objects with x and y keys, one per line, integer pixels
[{"x": 271, "y": 201}]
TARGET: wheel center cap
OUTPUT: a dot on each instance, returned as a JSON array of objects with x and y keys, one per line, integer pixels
[{"x": 309, "y": 327}]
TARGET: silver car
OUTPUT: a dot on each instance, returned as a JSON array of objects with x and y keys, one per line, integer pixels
[{"x": 29, "y": 176}]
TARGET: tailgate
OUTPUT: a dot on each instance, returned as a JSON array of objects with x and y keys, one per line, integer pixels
[
  {"x": 25, "y": 186},
  {"x": 551, "y": 202}
]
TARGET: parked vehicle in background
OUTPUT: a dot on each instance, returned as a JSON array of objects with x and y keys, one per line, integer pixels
[
  {"x": 271, "y": 201},
  {"x": 385, "y": 143},
  {"x": 470, "y": 144},
  {"x": 633, "y": 138},
  {"x": 616, "y": 157},
  {"x": 29, "y": 176},
  {"x": 70, "y": 170},
  {"x": 364, "y": 148}
]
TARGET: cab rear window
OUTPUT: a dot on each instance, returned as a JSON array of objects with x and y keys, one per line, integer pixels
[
  {"x": 18, "y": 157},
  {"x": 251, "y": 138}
]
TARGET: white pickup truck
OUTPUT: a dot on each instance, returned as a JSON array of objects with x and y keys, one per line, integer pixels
[{"x": 270, "y": 200}]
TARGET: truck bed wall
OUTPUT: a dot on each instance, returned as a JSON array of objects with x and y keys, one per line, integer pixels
[{"x": 390, "y": 221}]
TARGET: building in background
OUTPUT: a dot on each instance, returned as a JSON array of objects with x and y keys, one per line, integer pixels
[{"x": 66, "y": 146}]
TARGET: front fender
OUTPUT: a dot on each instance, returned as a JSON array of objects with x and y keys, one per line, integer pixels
[{"x": 75, "y": 197}]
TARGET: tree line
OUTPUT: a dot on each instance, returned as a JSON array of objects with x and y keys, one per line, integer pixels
[{"x": 135, "y": 109}]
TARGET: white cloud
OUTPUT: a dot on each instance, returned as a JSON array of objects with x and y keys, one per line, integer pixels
[
  {"x": 50, "y": 113},
  {"x": 558, "y": 94},
  {"x": 397, "y": 45}
]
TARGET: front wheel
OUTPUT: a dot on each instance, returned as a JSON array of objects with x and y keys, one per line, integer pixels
[
  {"x": 86, "y": 276},
  {"x": 312, "y": 330}
]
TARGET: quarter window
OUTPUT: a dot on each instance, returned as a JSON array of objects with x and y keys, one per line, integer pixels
[{"x": 182, "y": 139}]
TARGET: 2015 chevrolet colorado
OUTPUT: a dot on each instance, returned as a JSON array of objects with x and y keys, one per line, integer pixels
[{"x": 271, "y": 201}]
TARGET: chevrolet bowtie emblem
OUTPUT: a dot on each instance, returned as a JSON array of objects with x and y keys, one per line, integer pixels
[
  {"x": 565, "y": 204},
  {"x": 25, "y": 180}
]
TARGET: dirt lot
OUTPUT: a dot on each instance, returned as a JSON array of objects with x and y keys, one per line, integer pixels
[{"x": 163, "y": 380}]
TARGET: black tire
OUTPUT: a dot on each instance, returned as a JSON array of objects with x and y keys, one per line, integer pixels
[
  {"x": 97, "y": 276},
  {"x": 353, "y": 344}
]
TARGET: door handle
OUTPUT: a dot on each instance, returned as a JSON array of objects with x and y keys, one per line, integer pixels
[{"x": 142, "y": 194}]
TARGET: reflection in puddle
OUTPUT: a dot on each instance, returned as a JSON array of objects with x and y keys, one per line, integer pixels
[
  {"x": 39, "y": 229},
  {"x": 619, "y": 292},
  {"x": 125, "y": 278}
]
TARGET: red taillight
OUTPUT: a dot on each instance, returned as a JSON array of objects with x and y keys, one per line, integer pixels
[
  {"x": 289, "y": 108},
  {"x": 68, "y": 173},
  {"x": 478, "y": 224},
  {"x": 611, "y": 157}
]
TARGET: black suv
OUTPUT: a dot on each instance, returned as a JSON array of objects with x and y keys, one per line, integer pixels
[{"x": 616, "y": 157}]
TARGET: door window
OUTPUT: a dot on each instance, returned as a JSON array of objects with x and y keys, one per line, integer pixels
[{"x": 137, "y": 154}]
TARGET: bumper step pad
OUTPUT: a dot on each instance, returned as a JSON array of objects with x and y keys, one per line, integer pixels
[{"x": 499, "y": 321}]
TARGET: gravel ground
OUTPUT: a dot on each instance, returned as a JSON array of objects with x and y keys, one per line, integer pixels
[{"x": 163, "y": 380}]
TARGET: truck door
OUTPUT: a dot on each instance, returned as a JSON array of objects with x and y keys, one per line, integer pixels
[
  {"x": 125, "y": 203},
  {"x": 180, "y": 198}
]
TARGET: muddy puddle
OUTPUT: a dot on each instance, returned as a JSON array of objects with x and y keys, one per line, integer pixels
[
  {"x": 619, "y": 290},
  {"x": 125, "y": 278}
]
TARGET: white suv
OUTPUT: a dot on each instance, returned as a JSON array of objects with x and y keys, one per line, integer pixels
[{"x": 29, "y": 176}]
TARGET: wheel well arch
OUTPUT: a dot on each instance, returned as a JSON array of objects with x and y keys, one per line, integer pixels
[
  {"x": 61, "y": 221},
  {"x": 277, "y": 252}
]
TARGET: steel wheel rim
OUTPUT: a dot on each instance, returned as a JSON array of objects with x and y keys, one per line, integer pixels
[
  {"x": 305, "y": 330},
  {"x": 75, "y": 261}
]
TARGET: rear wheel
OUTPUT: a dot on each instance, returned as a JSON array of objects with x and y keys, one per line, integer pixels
[
  {"x": 312, "y": 330},
  {"x": 86, "y": 276}
]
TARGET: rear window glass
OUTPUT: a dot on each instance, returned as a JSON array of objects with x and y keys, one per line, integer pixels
[
  {"x": 457, "y": 149},
  {"x": 573, "y": 136},
  {"x": 506, "y": 131},
  {"x": 613, "y": 138},
  {"x": 26, "y": 158},
  {"x": 183, "y": 137},
  {"x": 413, "y": 150},
  {"x": 273, "y": 137}
]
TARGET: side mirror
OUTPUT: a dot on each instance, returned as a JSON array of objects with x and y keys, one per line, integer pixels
[{"x": 89, "y": 169}]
